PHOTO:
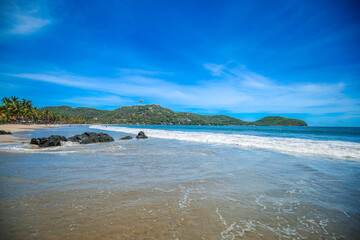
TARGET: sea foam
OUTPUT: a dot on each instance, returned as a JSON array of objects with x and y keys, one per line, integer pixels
[{"x": 297, "y": 146}]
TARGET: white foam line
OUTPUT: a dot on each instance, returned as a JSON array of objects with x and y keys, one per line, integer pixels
[
  {"x": 232, "y": 199},
  {"x": 347, "y": 215},
  {"x": 337, "y": 149},
  {"x": 230, "y": 232},
  {"x": 257, "y": 200},
  {"x": 221, "y": 217},
  {"x": 65, "y": 148},
  {"x": 166, "y": 191},
  {"x": 52, "y": 150},
  {"x": 249, "y": 227},
  {"x": 185, "y": 200},
  {"x": 225, "y": 234}
]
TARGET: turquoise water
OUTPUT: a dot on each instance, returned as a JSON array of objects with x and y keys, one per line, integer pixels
[
  {"x": 351, "y": 134},
  {"x": 185, "y": 182},
  {"x": 315, "y": 141}
]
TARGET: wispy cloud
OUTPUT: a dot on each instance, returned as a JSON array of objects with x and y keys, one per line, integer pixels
[
  {"x": 232, "y": 88},
  {"x": 24, "y": 18},
  {"x": 25, "y": 24},
  {"x": 132, "y": 71},
  {"x": 97, "y": 101},
  {"x": 215, "y": 69}
]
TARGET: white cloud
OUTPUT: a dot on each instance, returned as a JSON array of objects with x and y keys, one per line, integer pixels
[
  {"x": 109, "y": 100},
  {"x": 215, "y": 69},
  {"x": 25, "y": 24},
  {"x": 22, "y": 18},
  {"x": 142, "y": 72},
  {"x": 235, "y": 89}
]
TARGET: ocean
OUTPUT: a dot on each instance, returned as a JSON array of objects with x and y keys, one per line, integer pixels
[{"x": 184, "y": 182}]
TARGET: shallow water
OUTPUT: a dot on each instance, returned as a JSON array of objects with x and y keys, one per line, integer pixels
[
  {"x": 301, "y": 141},
  {"x": 173, "y": 188}
]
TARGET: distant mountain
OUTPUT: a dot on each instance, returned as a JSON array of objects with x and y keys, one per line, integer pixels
[
  {"x": 84, "y": 112},
  {"x": 156, "y": 115},
  {"x": 279, "y": 121}
]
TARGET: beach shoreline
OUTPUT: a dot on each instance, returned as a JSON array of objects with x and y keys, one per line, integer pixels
[
  {"x": 13, "y": 128},
  {"x": 175, "y": 184}
]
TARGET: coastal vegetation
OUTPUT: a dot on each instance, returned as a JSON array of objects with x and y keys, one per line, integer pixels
[
  {"x": 15, "y": 111},
  {"x": 146, "y": 115},
  {"x": 152, "y": 114},
  {"x": 279, "y": 121}
]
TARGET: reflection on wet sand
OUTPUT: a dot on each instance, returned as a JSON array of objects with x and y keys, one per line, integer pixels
[
  {"x": 184, "y": 211},
  {"x": 169, "y": 189}
]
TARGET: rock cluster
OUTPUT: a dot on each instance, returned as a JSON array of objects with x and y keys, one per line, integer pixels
[
  {"x": 2, "y": 132},
  {"x": 141, "y": 135},
  {"x": 53, "y": 140},
  {"x": 126, "y": 138},
  {"x": 91, "y": 137},
  {"x": 85, "y": 138}
]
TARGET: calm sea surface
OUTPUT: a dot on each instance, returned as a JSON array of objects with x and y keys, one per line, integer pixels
[{"x": 184, "y": 182}]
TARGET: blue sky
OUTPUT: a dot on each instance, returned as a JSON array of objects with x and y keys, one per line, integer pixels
[{"x": 247, "y": 59}]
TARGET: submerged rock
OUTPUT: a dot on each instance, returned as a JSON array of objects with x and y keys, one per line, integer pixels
[
  {"x": 91, "y": 137},
  {"x": 52, "y": 141},
  {"x": 3, "y": 132},
  {"x": 126, "y": 138},
  {"x": 141, "y": 135}
]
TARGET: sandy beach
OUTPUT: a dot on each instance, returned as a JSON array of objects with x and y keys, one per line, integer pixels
[
  {"x": 13, "y": 128},
  {"x": 183, "y": 182}
]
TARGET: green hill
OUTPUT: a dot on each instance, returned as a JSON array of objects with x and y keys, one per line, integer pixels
[
  {"x": 156, "y": 115},
  {"x": 279, "y": 121},
  {"x": 84, "y": 112}
]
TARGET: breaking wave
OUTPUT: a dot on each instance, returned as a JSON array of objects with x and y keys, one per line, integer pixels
[
  {"x": 65, "y": 148},
  {"x": 297, "y": 146}
]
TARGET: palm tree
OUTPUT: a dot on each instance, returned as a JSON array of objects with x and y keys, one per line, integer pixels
[
  {"x": 13, "y": 107},
  {"x": 26, "y": 108},
  {"x": 7, "y": 103},
  {"x": 26, "y": 103},
  {"x": 35, "y": 114},
  {"x": 6, "y": 109},
  {"x": 14, "y": 99}
]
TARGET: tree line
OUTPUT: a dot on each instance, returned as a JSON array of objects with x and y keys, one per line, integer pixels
[{"x": 15, "y": 110}]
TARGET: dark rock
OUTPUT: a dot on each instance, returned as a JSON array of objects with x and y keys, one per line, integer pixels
[
  {"x": 91, "y": 137},
  {"x": 2, "y": 132},
  {"x": 141, "y": 135},
  {"x": 126, "y": 138},
  {"x": 53, "y": 140}
]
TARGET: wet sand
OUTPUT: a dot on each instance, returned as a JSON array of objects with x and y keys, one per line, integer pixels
[
  {"x": 148, "y": 214},
  {"x": 168, "y": 189},
  {"x": 13, "y": 128}
]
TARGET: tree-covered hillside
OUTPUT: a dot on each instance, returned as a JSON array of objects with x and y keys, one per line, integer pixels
[
  {"x": 146, "y": 115},
  {"x": 84, "y": 112},
  {"x": 156, "y": 115},
  {"x": 279, "y": 121},
  {"x": 16, "y": 111}
]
